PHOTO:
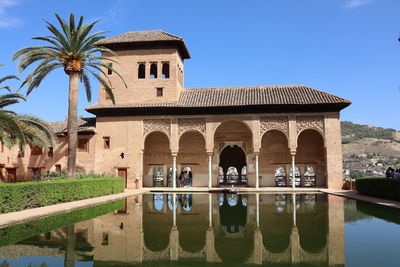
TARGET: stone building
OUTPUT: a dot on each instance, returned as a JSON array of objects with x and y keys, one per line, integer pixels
[{"x": 208, "y": 137}]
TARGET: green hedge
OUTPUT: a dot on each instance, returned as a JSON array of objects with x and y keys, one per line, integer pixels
[
  {"x": 20, "y": 196},
  {"x": 386, "y": 213},
  {"x": 379, "y": 187},
  {"x": 20, "y": 232}
]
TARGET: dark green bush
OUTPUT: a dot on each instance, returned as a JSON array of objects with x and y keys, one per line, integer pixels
[
  {"x": 20, "y": 196},
  {"x": 19, "y": 232},
  {"x": 379, "y": 187}
]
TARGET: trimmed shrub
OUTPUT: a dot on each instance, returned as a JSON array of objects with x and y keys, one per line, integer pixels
[
  {"x": 20, "y": 232},
  {"x": 27, "y": 195},
  {"x": 386, "y": 213},
  {"x": 379, "y": 187}
]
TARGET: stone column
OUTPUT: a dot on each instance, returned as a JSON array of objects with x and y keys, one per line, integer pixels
[
  {"x": 209, "y": 169},
  {"x": 293, "y": 154},
  {"x": 209, "y": 210},
  {"x": 174, "y": 170},
  {"x": 174, "y": 209},
  {"x": 258, "y": 210},
  {"x": 294, "y": 238},
  {"x": 336, "y": 249},
  {"x": 257, "y": 170}
]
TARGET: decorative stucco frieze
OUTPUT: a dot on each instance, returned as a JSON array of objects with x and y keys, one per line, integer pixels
[
  {"x": 274, "y": 123},
  {"x": 309, "y": 122},
  {"x": 192, "y": 124},
  {"x": 157, "y": 125}
]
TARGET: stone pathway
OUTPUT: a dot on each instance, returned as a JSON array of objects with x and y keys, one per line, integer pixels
[{"x": 356, "y": 196}]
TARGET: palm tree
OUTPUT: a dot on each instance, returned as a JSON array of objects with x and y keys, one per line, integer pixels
[
  {"x": 73, "y": 48},
  {"x": 21, "y": 129}
]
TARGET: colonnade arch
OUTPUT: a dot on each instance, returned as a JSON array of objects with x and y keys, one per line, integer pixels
[
  {"x": 233, "y": 147},
  {"x": 157, "y": 158},
  {"x": 268, "y": 143},
  {"x": 192, "y": 155},
  {"x": 311, "y": 152},
  {"x": 274, "y": 153}
]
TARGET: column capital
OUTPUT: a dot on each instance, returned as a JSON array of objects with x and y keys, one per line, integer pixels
[
  {"x": 293, "y": 152},
  {"x": 256, "y": 153},
  {"x": 210, "y": 153},
  {"x": 174, "y": 154}
]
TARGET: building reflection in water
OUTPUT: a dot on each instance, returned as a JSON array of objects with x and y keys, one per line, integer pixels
[{"x": 251, "y": 229}]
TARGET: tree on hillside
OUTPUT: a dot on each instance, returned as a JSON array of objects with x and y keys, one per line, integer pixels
[
  {"x": 21, "y": 129},
  {"x": 71, "y": 47}
]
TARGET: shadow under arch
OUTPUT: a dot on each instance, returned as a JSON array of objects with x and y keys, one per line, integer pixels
[
  {"x": 311, "y": 150},
  {"x": 192, "y": 153},
  {"x": 276, "y": 222},
  {"x": 193, "y": 224},
  {"x": 157, "y": 224},
  {"x": 156, "y": 153},
  {"x": 313, "y": 224}
]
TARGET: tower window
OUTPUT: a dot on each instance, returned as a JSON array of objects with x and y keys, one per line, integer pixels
[
  {"x": 106, "y": 140},
  {"x": 159, "y": 92},
  {"x": 83, "y": 145},
  {"x": 36, "y": 151},
  {"x": 50, "y": 153},
  {"x": 153, "y": 71},
  {"x": 165, "y": 70},
  {"x": 141, "y": 71},
  {"x": 109, "y": 71}
]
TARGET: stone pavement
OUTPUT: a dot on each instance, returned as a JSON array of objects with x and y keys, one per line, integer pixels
[{"x": 356, "y": 196}]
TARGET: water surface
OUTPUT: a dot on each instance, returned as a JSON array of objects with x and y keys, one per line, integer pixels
[{"x": 213, "y": 230}]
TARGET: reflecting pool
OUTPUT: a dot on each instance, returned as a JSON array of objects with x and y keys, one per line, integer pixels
[{"x": 218, "y": 229}]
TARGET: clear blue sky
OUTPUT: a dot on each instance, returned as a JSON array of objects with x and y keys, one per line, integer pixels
[{"x": 345, "y": 47}]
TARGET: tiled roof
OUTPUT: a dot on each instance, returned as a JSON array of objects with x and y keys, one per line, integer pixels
[
  {"x": 84, "y": 125},
  {"x": 143, "y": 37},
  {"x": 239, "y": 96}
]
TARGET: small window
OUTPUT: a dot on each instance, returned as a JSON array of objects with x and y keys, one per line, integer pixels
[
  {"x": 83, "y": 145},
  {"x": 153, "y": 71},
  {"x": 36, "y": 171},
  {"x": 141, "y": 71},
  {"x": 58, "y": 167},
  {"x": 159, "y": 92},
  {"x": 106, "y": 142},
  {"x": 36, "y": 151},
  {"x": 109, "y": 69},
  {"x": 21, "y": 153},
  {"x": 50, "y": 153},
  {"x": 165, "y": 70},
  {"x": 104, "y": 239}
]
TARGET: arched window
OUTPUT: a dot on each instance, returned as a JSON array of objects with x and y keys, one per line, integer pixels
[
  {"x": 141, "y": 71},
  {"x": 153, "y": 71},
  {"x": 165, "y": 70}
]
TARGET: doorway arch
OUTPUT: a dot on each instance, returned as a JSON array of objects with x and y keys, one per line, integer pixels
[{"x": 233, "y": 166}]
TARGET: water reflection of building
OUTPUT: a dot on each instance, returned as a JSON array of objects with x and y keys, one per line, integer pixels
[{"x": 273, "y": 228}]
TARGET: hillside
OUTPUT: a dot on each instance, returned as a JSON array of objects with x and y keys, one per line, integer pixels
[{"x": 369, "y": 150}]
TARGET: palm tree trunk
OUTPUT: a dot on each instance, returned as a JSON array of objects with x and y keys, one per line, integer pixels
[
  {"x": 69, "y": 260},
  {"x": 72, "y": 123}
]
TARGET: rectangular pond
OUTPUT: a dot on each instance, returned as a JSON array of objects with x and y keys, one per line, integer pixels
[{"x": 218, "y": 229}]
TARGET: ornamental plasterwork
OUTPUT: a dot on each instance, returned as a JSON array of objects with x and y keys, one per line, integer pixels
[
  {"x": 190, "y": 124},
  {"x": 310, "y": 122},
  {"x": 274, "y": 123},
  {"x": 157, "y": 125}
]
